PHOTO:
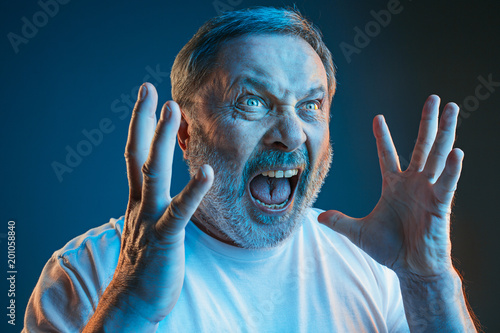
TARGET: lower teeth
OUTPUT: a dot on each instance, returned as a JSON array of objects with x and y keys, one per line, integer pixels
[{"x": 273, "y": 206}]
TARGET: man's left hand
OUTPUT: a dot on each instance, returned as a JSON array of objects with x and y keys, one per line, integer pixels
[{"x": 409, "y": 229}]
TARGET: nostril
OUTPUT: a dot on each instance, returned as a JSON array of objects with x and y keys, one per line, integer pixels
[{"x": 280, "y": 145}]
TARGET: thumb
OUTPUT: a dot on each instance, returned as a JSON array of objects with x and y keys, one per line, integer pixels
[
  {"x": 343, "y": 224},
  {"x": 183, "y": 205}
]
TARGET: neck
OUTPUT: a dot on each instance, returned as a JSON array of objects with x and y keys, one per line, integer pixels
[{"x": 211, "y": 230}]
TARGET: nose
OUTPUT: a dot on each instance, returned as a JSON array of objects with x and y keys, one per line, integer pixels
[{"x": 286, "y": 133}]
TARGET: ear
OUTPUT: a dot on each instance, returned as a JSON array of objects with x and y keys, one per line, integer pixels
[{"x": 183, "y": 133}]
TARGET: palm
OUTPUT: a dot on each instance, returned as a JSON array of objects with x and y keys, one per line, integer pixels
[{"x": 408, "y": 230}]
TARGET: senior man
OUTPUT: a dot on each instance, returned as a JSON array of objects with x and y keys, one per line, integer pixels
[{"x": 240, "y": 249}]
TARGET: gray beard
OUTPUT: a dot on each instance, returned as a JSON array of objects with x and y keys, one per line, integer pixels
[{"x": 223, "y": 207}]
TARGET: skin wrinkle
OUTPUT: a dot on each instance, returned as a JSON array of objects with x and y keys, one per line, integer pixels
[{"x": 237, "y": 145}]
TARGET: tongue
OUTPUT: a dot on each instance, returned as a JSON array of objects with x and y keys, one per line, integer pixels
[{"x": 270, "y": 190}]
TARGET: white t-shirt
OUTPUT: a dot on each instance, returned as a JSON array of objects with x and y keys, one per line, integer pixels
[{"x": 317, "y": 281}]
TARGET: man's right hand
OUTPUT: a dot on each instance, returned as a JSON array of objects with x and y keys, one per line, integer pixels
[{"x": 150, "y": 272}]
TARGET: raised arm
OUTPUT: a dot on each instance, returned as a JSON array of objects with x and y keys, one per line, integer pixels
[
  {"x": 150, "y": 271},
  {"x": 409, "y": 229}
]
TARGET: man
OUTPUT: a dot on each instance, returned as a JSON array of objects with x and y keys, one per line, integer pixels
[{"x": 240, "y": 248}]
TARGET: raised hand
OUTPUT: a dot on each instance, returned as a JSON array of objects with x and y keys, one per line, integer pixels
[
  {"x": 150, "y": 271},
  {"x": 408, "y": 231}
]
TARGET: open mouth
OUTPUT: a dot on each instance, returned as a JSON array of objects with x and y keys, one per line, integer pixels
[{"x": 273, "y": 191}]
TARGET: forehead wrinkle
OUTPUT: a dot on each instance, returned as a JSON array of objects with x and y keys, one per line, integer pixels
[
  {"x": 280, "y": 64},
  {"x": 262, "y": 85},
  {"x": 271, "y": 87}
]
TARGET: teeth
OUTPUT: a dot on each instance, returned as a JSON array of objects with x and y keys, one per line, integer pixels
[
  {"x": 280, "y": 173},
  {"x": 272, "y": 206}
]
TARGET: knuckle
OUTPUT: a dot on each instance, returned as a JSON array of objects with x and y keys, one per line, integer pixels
[
  {"x": 385, "y": 154},
  {"x": 430, "y": 174},
  {"x": 166, "y": 235},
  {"x": 177, "y": 211},
  {"x": 440, "y": 154},
  {"x": 141, "y": 110},
  {"x": 148, "y": 172},
  {"x": 134, "y": 154},
  {"x": 170, "y": 223},
  {"x": 130, "y": 155},
  {"x": 424, "y": 142}
]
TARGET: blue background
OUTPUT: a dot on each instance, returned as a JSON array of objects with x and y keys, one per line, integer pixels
[{"x": 66, "y": 78}]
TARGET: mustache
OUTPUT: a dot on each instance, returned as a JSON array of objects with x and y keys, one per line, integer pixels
[{"x": 267, "y": 159}]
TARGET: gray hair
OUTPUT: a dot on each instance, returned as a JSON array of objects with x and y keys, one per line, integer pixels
[{"x": 196, "y": 60}]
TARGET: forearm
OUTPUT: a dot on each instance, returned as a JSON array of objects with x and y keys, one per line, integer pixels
[
  {"x": 435, "y": 305},
  {"x": 116, "y": 312}
]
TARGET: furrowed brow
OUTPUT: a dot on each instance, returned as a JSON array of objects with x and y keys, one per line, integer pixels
[
  {"x": 316, "y": 91},
  {"x": 253, "y": 82},
  {"x": 266, "y": 87}
]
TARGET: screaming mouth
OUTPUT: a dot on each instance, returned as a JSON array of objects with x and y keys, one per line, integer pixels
[{"x": 273, "y": 191}]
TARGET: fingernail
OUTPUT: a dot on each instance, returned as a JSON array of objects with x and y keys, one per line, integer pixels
[
  {"x": 200, "y": 175},
  {"x": 324, "y": 217},
  {"x": 143, "y": 91},
  {"x": 381, "y": 120},
  {"x": 167, "y": 113}
]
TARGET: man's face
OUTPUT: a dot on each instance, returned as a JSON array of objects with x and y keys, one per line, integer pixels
[{"x": 261, "y": 122}]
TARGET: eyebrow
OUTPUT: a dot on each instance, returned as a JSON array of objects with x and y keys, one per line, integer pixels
[{"x": 262, "y": 86}]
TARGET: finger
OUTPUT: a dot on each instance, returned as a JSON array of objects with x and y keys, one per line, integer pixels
[
  {"x": 185, "y": 204},
  {"x": 426, "y": 133},
  {"x": 157, "y": 171},
  {"x": 444, "y": 142},
  {"x": 447, "y": 183},
  {"x": 343, "y": 224},
  {"x": 140, "y": 134},
  {"x": 387, "y": 155}
]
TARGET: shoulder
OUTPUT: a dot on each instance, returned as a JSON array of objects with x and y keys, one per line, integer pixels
[
  {"x": 91, "y": 258},
  {"x": 73, "y": 280},
  {"x": 103, "y": 239}
]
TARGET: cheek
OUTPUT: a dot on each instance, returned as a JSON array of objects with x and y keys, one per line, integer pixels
[
  {"x": 318, "y": 138},
  {"x": 234, "y": 140}
]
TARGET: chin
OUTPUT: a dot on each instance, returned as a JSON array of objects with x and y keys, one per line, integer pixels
[
  {"x": 259, "y": 230},
  {"x": 266, "y": 236}
]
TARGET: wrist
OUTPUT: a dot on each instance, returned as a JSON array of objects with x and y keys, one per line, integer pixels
[
  {"x": 117, "y": 312},
  {"x": 127, "y": 301},
  {"x": 435, "y": 303},
  {"x": 130, "y": 308},
  {"x": 447, "y": 280}
]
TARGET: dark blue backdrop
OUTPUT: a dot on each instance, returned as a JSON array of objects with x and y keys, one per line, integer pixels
[{"x": 69, "y": 71}]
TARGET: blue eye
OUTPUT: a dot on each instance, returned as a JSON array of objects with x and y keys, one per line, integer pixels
[
  {"x": 253, "y": 102},
  {"x": 311, "y": 106}
]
